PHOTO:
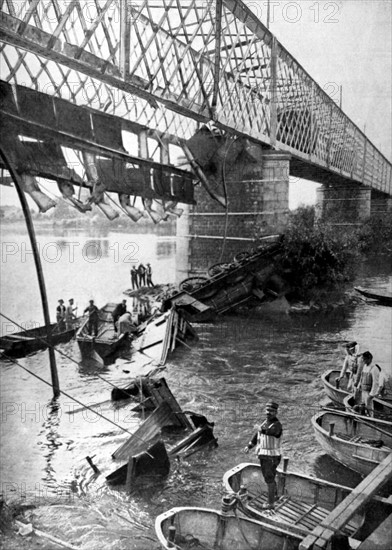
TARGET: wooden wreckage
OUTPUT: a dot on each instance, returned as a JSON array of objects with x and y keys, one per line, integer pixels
[
  {"x": 143, "y": 458},
  {"x": 154, "y": 338},
  {"x": 229, "y": 285}
]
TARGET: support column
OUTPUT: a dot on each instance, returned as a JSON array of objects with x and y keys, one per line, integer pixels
[
  {"x": 257, "y": 187},
  {"x": 340, "y": 205},
  {"x": 381, "y": 204}
]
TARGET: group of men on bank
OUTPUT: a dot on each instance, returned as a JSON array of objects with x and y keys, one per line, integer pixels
[{"x": 141, "y": 276}]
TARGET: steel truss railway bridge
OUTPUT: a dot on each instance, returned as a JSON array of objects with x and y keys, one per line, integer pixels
[{"x": 174, "y": 101}]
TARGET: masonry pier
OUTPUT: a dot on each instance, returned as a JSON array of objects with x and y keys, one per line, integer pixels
[{"x": 256, "y": 184}]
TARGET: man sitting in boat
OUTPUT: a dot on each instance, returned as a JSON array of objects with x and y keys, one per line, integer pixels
[
  {"x": 267, "y": 438},
  {"x": 368, "y": 381},
  {"x": 350, "y": 365},
  {"x": 93, "y": 317}
]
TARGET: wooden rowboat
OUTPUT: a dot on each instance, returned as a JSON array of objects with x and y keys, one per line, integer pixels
[
  {"x": 20, "y": 344},
  {"x": 339, "y": 395},
  {"x": 107, "y": 341},
  {"x": 303, "y": 501},
  {"x": 203, "y": 528},
  {"x": 382, "y": 407},
  {"x": 336, "y": 393},
  {"x": 353, "y": 441},
  {"x": 384, "y": 298}
]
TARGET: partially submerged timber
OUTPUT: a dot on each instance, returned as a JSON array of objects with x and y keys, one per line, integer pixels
[
  {"x": 229, "y": 285},
  {"x": 152, "y": 395}
]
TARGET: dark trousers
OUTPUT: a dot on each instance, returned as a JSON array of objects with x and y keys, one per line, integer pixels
[
  {"x": 135, "y": 284},
  {"x": 93, "y": 326},
  {"x": 149, "y": 281},
  {"x": 142, "y": 280},
  {"x": 269, "y": 465}
]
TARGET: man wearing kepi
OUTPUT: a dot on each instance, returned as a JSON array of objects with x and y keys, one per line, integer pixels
[{"x": 267, "y": 441}]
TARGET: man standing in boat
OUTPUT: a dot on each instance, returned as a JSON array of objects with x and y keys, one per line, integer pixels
[
  {"x": 350, "y": 365},
  {"x": 60, "y": 316},
  {"x": 69, "y": 314},
  {"x": 368, "y": 381},
  {"x": 93, "y": 313},
  {"x": 267, "y": 440}
]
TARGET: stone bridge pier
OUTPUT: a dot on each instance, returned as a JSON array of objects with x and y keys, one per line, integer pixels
[
  {"x": 350, "y": 205},
  {"x": 256, "y": 183}
]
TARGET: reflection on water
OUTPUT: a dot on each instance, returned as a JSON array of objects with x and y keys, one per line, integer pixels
[{"x": 238, "y": 364}]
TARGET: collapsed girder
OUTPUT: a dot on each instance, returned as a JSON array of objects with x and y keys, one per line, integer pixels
[{"x": 168, "y": 63}]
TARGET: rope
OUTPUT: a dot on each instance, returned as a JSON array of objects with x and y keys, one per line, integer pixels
[
  {"x": 76, "y": 400},
  {"x": 58, "y": 350}
]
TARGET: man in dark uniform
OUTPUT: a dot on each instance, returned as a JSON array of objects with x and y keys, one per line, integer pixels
[
  {"x": 60, "y": 315},
  {"x": 134, "y": 278},
  {"x": 267, "y": 441},
  {"x": 142, "y": 275},
  {"x": 149, "y": 275},
  {"x": 93, "y": 314},
  {"x": 119, "y": 310}
]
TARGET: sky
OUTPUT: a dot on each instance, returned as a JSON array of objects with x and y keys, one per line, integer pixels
[{"x": 345, "y": 43}]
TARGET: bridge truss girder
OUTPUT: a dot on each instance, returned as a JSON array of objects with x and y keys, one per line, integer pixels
[{"x": 169, "y": 64}]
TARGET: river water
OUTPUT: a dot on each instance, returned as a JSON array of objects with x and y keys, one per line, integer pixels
[{"x": 238, "y": 364}]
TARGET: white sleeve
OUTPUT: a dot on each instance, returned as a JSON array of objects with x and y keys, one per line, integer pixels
[
  {"x": 375, "y": 381},
  {"x": 344, "y": 367}
]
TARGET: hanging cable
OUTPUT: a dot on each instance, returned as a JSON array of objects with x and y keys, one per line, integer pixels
[
  {"x": 226, "y": 198},
  {"x": 72, "y": 398},
  {"x": 58, "y": 350}
]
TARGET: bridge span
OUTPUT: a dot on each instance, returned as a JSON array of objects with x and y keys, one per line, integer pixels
[{"x": 153, "y": 96}]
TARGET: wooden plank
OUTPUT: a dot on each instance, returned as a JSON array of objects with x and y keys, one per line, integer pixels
[
  {"x": 341, "y": 515},
  {"x": 380, "y": 539},
  {"x": 138, "y": 442},
  {"x": 160, "y": 392}
]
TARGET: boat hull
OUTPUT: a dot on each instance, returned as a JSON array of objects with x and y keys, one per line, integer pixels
[
  {"x": 346, "y": 444},
  {"x": 385, "y": 299},
  {"x": 107, "y": 342},
  {"x": 212, "y": 529},
  {"x": 303, "y": 502},
  {"x": 20, "y": 344},
  {"x": 382, "y": 408},
  {"x": 337, "y": 395}
]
